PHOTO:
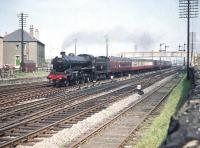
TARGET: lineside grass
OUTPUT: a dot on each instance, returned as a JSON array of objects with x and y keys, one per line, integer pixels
[
  {"x": 20, "y": 74},
  {"x": 157, "y": 132}
]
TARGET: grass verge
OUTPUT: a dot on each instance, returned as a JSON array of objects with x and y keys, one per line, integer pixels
[
  {"x": 20, "y": 74},
  {"x": 157, "y": 132}
]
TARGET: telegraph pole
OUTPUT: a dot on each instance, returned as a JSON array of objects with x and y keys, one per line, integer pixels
[
  {"x": 161, "y": 52},
  {"x": 192, "y": 48},
  {"x": 22, "y": 24},
  {"x": 181, "y": 50},
  {"x": 75, "y": 46},
  {"x": 179, "y": 47},
  {"x": 184, "y": 51},
  {"x": 166, "y": 50},
  {"x": 106, "y": 37},
  {"x": 188, "y": 9}
]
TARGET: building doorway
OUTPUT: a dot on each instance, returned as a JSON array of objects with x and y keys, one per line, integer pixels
[{"x": 17, "y": 61}]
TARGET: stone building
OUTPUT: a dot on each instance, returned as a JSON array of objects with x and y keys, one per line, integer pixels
[
  {"x": 1, "y": 50},
  {"x": 10, "y": 49}
]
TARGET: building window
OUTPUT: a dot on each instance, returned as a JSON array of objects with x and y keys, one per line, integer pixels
[{"x": 17, "y": 47}]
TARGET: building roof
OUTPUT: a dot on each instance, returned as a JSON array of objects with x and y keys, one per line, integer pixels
[{"x": 16, "y": 37}]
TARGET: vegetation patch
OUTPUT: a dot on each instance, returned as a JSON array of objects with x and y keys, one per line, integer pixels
[
  {"x": 157, "y": 132},
  {"x": 20, "y": 74}
]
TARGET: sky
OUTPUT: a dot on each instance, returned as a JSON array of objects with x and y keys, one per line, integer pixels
[{"x": 129, "y": 25}]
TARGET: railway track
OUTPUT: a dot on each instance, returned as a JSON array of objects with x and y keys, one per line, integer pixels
[
  {"x": 25, "y": 111},
  {"x": 16, "y": 114},
  {"x": 67, "y": 93},
  {"x": 117, "y": 131},
  {"x": 43, "y": 123},
  {"x": 18, "y": 87},
  {"x": 48, "y": 105},
  {"x": 20, "y": 94},
  {"x": 31, "y": 92},
  {"x": 134, "y": 137}
]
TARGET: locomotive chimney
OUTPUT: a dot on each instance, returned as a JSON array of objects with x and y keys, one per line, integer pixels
[{"x": 62, "y": 53}]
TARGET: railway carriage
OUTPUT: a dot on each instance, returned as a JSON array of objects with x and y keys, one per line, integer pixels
[
  {"x": 142, "y": 65},
  {"x": 148, "y": 64},
  {"x": 167, "y": 64},
  {"x": 119, "y": 65},
  {"x": 162, "y": 64}
]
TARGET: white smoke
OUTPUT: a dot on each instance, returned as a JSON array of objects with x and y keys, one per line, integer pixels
[{"x": 142, "y": 39}]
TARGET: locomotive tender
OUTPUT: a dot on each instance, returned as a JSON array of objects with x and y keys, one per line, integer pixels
[{"x": 71, "y": 69}]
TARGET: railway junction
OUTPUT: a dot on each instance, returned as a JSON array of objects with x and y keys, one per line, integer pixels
[
  {"x": 128, "y": 74},
  {"x": 106, "y": 113}
]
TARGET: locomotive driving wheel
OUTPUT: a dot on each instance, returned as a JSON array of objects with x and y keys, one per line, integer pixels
[
  {"x": 77, "y": 82},
  {"x": 82, "y": 81},
  {"x": 88, "y": 80},
  {"x": 66, "y": 83}
]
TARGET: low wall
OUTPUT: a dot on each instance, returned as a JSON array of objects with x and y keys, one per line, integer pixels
[{"x": 184, "y": 129}]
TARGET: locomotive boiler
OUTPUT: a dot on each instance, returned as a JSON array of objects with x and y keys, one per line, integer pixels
[{"x": 71, "y": 62}]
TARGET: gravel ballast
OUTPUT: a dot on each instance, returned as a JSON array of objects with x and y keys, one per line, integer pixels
[
  {"x": 65, "y": 136},
  {"x": 15, "y": 81}
]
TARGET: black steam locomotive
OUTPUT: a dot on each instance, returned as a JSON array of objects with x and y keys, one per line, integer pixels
[{"x": 71, "y": 69}]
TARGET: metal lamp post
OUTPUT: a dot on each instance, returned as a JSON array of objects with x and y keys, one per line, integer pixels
[
  {"x": 166, "y": 49},
  {"x": 184, "y": 50},
  {"x": 107, "y": 40},
  {"x": 160, "y": 52},
  {"x": 181, "y": 52},
  {"x": 75, "y": 40}
]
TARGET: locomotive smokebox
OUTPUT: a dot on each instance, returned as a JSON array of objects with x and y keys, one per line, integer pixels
[{"x": 62, "y": 53}]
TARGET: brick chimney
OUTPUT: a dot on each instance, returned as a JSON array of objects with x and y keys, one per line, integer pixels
[
  {"x": 31, "y": 31},
  {"x": 37, "y": 34}
]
